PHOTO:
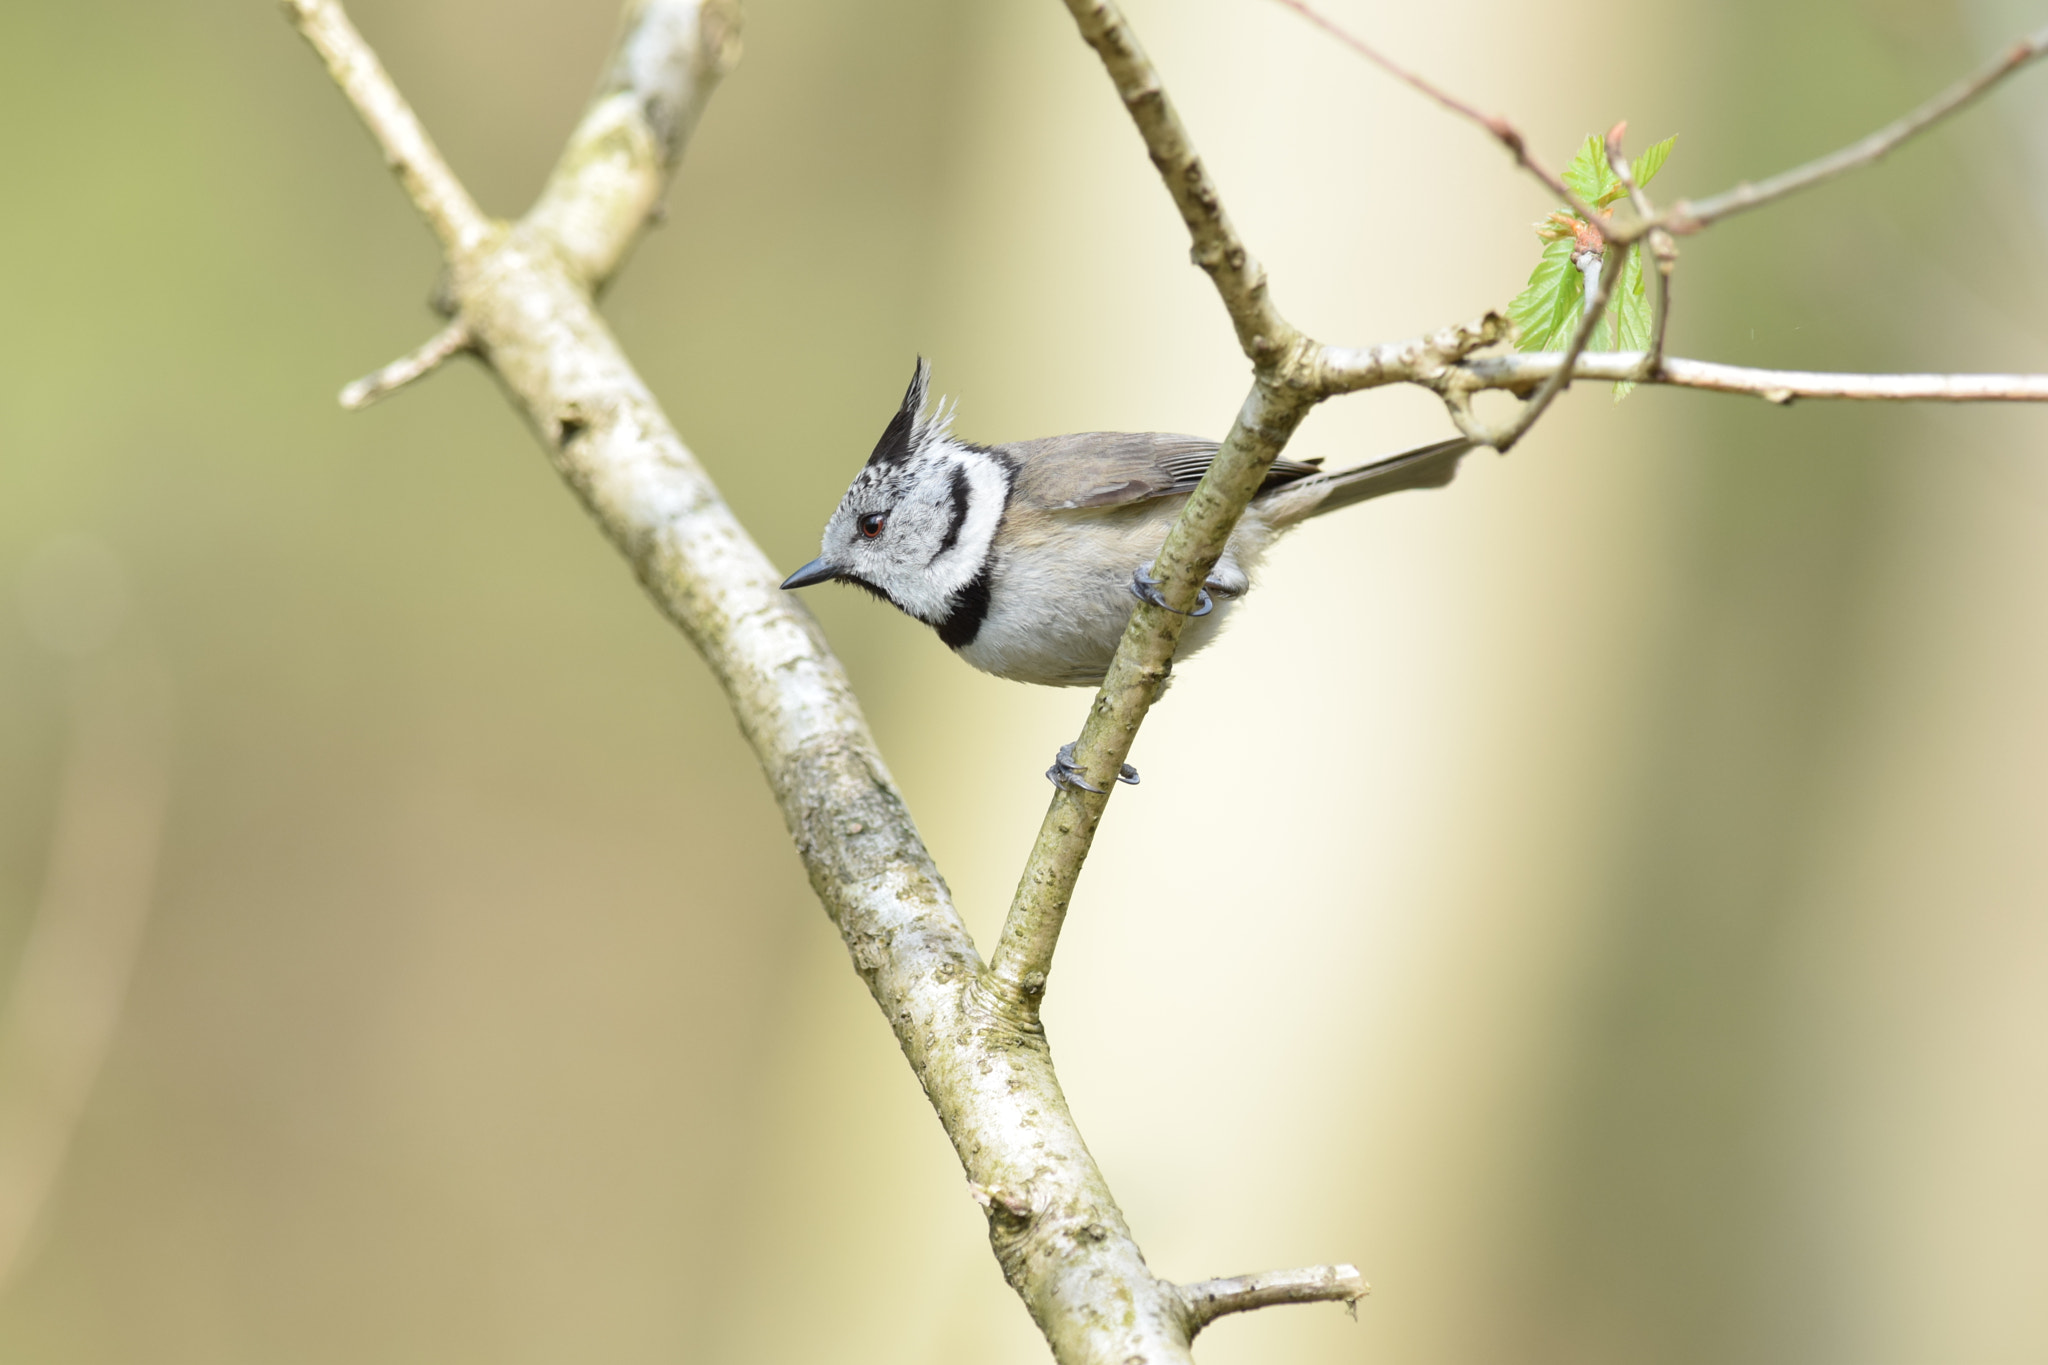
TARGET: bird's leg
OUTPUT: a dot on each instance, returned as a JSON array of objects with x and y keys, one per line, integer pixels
[
  {"x": 1145, "y": 588},
  {"x": 1064, "y": 772}
]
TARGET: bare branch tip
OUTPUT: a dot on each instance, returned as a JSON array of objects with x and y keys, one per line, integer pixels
[
  {"x": 450, "y": 341},
  {"x": 1212, "y": 1299}
]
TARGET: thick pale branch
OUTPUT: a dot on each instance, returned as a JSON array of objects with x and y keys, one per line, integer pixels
[
  {"x": 1265, "y": 336},
  {"x": 1690, "y": 216},
  {"x": 434, "y": 352},
  {"x": 611, "y": 177},
  {"x": 1525, "y": 372},
  {"x": 1212, "y": 1299},
  {"x": 435, "y": 192},
  {"x": 526, "y": 300}
]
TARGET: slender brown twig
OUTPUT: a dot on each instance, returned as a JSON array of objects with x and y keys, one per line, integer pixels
[
  {"x": 1612, "y": 262},
  {"x": 1688, "y": 216}
]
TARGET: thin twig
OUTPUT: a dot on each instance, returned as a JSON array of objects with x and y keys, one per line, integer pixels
[
  {"x": 451, "y": 340},
  {"x": 429, "y": 183},
  {"x": 1526, "y": 371},
  {"x": 1212, "y": 1299},
  {"x": 1495, "y": 125},
  {"x": 1625, "y": 173},
  {"x": 1503, "y": 438},
  {"x": 1659, "y": 243},
  {"x": 1688, "y": 216},
  {"x": 1665, "y": 252}
]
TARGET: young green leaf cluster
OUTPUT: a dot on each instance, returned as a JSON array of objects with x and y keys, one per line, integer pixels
[{"x": 1547, "y": 311}]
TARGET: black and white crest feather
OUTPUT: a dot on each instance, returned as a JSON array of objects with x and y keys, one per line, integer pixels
[{"x": 910, "y": 430}]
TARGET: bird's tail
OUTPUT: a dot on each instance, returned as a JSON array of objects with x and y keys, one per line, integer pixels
[{"x": 1430, "y": 466}]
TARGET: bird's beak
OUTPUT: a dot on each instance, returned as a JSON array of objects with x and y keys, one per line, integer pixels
[{"x": 817, "y": 571}]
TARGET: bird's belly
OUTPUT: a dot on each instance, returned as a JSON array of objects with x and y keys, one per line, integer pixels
[{"x": 1059, "y": 628}]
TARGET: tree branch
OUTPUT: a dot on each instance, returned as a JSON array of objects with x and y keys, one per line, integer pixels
[
  {"x": 429, "y": 356},
  {"x": 1022, "y": 959},
  {"x": 408, "y": 151},
  {"x": 615, "y": 169},
  {"x": 525, "y": 296},
  {"x": 1687, "y": 216},
  {"x": 1212, "y": 1299},
  {"x": 1526, "y": 371}
]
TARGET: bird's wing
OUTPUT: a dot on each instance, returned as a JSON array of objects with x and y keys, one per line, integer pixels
[{"x": 1113, "y": 468}]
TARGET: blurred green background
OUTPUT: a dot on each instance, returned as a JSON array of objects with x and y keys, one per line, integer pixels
[{"x": 1607, "y": 900}]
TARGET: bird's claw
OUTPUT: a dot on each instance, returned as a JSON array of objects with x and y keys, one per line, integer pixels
[
  {"x": 1064, "y": 772},
  {"x": 1145, "y": 588}
]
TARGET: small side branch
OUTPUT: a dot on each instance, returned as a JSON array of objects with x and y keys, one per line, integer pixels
[
  {"x": 1212, "y": 1299},
  {"x": 1524, "y": 372},
  {"x": 1560, "y": 378},
  {"x": 1419, "y": 360},
  {"x": 1686, "y": 216},
  {"x": 450, "y": 341},
  {"x": 433, "y": 188}
]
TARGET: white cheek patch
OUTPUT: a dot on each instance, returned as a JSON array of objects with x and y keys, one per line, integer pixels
[{"x": 988, "y": 489}]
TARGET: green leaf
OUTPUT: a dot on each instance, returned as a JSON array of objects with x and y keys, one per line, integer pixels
[
  {"x": 1545, "y": 313},
  {"x": 1589, "y": 176},
  {"x": 1548, "y": 310},
  {"x": 1630, "y": 311},
  {"x": 1651, "y": 161}
]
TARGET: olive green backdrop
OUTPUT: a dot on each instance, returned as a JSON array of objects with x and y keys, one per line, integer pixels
[{"x": 1606, "y": 900}]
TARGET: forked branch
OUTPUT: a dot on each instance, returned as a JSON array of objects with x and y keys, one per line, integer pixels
[
  {"x": 522, "y": 293},
  {"x": 1292, "y": 373},
  {"x": 522, "y": 297}
]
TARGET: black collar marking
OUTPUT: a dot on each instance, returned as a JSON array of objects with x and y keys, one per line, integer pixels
[{"x": 970, "y": 608}]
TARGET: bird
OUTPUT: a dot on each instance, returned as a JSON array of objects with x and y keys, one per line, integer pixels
[{"x": 1028, "y": 557}]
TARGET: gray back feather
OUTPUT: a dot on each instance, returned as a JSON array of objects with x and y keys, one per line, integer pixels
[{"x": 1113, "y": 468}]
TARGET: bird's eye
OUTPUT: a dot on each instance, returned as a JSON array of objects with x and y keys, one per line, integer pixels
[{"x": 871, "y": 525}]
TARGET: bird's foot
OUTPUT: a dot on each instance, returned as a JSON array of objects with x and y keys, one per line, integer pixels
[
  {"x": 1064, "y": 772},
  {"x": 1145, "y": 588}
]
